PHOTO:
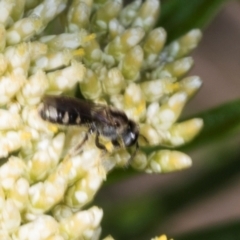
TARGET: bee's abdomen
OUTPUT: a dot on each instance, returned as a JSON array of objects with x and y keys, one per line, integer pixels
[{"x": 54, "y": 114}]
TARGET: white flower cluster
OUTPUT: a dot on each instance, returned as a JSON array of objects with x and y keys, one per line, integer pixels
[{"x": 115, "y": 56}]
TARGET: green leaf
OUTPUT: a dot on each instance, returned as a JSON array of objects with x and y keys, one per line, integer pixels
[
  {"x": 218, "y": 122},
  {"x": 178, "y": 17}
]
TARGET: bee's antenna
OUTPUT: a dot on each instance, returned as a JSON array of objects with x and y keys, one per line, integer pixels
[{"x": 145, "y": 139}]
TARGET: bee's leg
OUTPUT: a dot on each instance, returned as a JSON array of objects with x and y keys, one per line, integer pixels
[
  {"x": 145, "y": 139},
  {"x": 117, "y": 144},
  {"x": 98, "y": 144},
  {"x": 76, "y": 150}
]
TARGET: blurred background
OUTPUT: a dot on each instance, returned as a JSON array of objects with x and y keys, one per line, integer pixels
[
  {"x": 217, "y": 60},
  {"x": 204, "y": 199}
]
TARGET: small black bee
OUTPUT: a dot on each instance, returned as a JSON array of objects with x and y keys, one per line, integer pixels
[{"x": 100, "y": 119}]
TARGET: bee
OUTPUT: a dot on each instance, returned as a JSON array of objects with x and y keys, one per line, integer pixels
[{"x": 99, "y": 119}]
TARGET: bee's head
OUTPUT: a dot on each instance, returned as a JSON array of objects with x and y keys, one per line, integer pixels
[{"x": 130, "y": 136}]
